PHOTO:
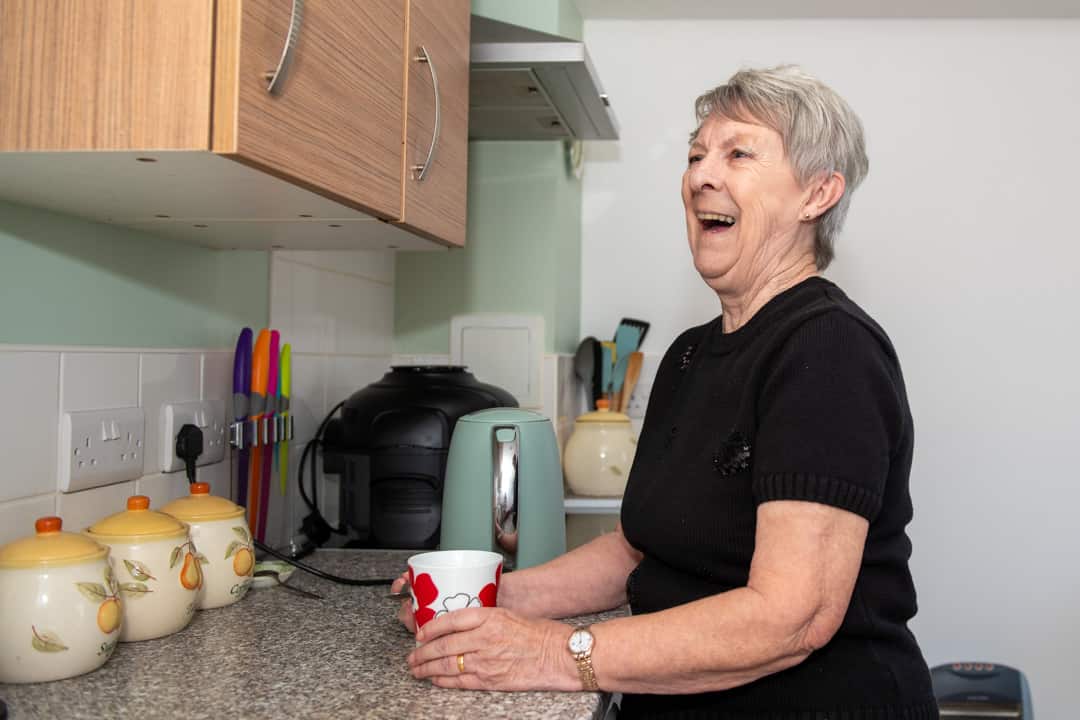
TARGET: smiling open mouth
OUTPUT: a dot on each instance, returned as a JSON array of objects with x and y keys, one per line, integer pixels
[{"x": 715, "y": 221}]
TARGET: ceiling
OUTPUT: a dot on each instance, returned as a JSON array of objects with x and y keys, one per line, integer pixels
[{"x": 776, "y": 9}]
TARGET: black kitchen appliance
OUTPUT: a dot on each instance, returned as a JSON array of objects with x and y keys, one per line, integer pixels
[
  {"x": 970, "y": 690},
  {"x": 389, "y": 446}
]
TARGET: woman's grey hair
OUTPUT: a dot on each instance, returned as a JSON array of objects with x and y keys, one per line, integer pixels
[{"x": 820, "y": 131}]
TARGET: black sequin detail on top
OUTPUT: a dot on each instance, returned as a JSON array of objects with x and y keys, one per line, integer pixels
[
  {"x": 684, "y": 359},
  {"x": 733, "y": 456}
]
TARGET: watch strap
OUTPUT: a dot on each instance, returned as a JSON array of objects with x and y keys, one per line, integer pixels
[{"x": 584, "y": 663}]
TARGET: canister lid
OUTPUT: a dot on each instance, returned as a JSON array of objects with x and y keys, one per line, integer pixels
[
  {"x": 49, "y": 546},
  {"x": 138, "y": 522},
  {"x": 201, "y": 505},
  {"x": 603, "y": 415}
]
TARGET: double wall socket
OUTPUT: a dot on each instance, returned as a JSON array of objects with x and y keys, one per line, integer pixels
[
  {"x": 639, "y": 400},
  {"x": 208, "y": 416},
  {"x": 100, "y": 447}
]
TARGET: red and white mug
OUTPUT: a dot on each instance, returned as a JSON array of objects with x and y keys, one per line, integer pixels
[{"x": 446, "y": 580}]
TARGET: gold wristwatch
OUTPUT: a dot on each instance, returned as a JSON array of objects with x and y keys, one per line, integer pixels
[{"x": 581, "y": 647}]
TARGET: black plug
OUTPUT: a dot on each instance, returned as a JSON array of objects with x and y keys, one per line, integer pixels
[{"x": 189, "y": 446}]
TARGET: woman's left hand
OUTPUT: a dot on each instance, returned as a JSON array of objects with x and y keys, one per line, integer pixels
[{"x": 499, "y": 649}]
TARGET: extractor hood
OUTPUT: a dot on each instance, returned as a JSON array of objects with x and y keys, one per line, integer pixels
[{"x": 528, "y": 85}]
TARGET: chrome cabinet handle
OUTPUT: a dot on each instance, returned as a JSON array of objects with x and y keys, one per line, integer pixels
[
  {"x": 276, "y": 77},
  {"x": 420, "y": 171},
  {"x": 506, "y": 453}
]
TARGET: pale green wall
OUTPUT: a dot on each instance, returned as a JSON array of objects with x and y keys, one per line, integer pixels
[
  {"x": 523, "y": 244},
  {"x": 67, "y": 281},
  {"x": 522, "y": 252},
  {"x": 558, "y": 17}
]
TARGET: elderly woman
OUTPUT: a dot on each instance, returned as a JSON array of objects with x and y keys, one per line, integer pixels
[{"x": 761, "y": 547}]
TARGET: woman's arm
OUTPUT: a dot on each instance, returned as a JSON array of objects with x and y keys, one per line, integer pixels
[
  {"x": 806, "y": 559},
  {"x": 588, "y": 579},
  {"x": 805, "y": 563}
]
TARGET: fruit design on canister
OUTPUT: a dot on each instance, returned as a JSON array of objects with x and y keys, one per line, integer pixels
[
  {"x": 107, "y": 597},
  {"x": 191, "y": 574},
  {"x": 241, "y": 552}
]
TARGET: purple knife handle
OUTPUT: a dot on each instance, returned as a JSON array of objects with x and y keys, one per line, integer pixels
[{"x": 241, "y": 387}]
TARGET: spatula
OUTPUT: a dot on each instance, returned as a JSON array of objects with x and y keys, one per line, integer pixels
[
  {"x": 584, "y": 367},
  {"x": 640, "y": 325},
  {"x": 633, "y": 372}
]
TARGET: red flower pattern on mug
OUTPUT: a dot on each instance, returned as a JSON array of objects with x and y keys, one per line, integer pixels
[{"x": 426, "y": 593}]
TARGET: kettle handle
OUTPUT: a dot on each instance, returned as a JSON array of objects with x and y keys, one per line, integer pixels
[{"x": 505, "y": 465}]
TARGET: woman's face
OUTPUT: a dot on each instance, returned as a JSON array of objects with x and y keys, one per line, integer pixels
[{"x": 743, "y": 205}]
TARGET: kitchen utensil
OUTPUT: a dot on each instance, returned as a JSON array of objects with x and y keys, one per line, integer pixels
[
  {"x": 597, "y": 379},
  {"x": 284, "y": 400},
  {"x": 59, "y": 607},
  {"x": 504, "y": 489},
  {"x": 260, "y": 371},
  {"x": 276, "y": 578},
  {"x": 626, "y": 341},
  {"x": 617, "y": 374},
  {"x": 606, "y": 366},
  {"x": 158, "y": 568},
  {"x": 390, "y": 446},
  {"x": 633, "y": 372},
  {"x": 241, "y": 403},
  {"x": 640, "y": 325},
  {"x": 584, "y": 366},
  {"x": 599, "y": 453},
  {"x": 270, "y": 417},
  {"x": 449, "y": 580},
  {"x": 219, "y": 529}
]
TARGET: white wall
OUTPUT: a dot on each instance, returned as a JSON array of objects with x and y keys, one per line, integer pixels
[{"x": 962, "y": 243}]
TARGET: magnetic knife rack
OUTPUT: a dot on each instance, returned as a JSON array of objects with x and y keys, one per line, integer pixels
[{"x": 264, "y": 431}]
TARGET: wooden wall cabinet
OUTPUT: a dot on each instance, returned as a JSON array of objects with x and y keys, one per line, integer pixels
[{"x": 156, "y": 114}]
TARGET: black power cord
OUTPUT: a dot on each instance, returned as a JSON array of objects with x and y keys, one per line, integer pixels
[
  {"x": 366, "y": 582},
  {"x": 189, "y": 446},
  {"x": 315, "y": 526}
]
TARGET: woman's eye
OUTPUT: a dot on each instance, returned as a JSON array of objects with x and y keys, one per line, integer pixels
[
  {"x": 738, "y": 154},
  {"x": 693, "y": 159}
]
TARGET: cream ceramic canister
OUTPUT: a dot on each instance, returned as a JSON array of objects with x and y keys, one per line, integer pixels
[
  {"x": 157, "y": 566},
  {"x": 60, "y": 612},
  {"x": 219, "y": 527},
  {"x": 599, "y": 453}
]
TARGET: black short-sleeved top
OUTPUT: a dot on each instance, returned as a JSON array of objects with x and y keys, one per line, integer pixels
[{"x": 806, "y": 401}]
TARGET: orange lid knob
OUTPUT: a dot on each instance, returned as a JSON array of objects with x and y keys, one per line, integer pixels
[
  {"x": 51, "y": 524},
  {"x": 138, "y": 502},
  {"x": 200, "y": 488},
  {"x": 602, "y": 404}
]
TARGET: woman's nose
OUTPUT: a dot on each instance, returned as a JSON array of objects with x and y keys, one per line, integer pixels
[{"x": 705, "y": 174}]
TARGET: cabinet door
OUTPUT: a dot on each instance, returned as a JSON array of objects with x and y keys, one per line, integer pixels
[
  {"x": 105, "y": 74},
  {"x": 438, "y": 55},
  {"x": 334, "y": 125}
]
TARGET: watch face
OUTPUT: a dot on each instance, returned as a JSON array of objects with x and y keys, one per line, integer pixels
[{"x": 581, "y": 641}]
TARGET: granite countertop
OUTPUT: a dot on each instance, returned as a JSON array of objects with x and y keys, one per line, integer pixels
[{"x": 279, "y": 654}]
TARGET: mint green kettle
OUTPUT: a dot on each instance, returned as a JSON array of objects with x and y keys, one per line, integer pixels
[{"x": 503, "y": 488}]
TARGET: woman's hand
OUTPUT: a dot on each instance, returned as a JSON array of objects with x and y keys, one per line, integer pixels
[
  {"x": 500, "y": 650},
  {"x": 405, "y": 612}
]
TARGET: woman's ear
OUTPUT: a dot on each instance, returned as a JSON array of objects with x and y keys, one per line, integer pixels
[{"x": 825, "y": 191}]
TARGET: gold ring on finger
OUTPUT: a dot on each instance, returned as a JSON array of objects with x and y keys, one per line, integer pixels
[{"x": 461, "y": 663}]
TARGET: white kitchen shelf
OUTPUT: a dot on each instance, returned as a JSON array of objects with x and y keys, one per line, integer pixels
[{"x": 592, "y": 506}]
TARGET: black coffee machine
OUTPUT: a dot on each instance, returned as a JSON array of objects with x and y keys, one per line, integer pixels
[{"x": 389, "y": 446}]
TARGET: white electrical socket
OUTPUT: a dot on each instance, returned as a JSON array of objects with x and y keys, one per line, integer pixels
[
  {"x": 639, "y": 400},
  {"x": 100, "y": 447},
  {"x": 208, "y": 416}
]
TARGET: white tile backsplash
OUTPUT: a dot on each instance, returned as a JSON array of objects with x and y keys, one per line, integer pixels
[
  {"x": 82, "y": 509},
  {"x": 166, "y": 378},
  {"x": 217, "y": 376},
  {"x": 373, "y": 264},
  {"x": 98, "y": 381},
  {"x": 219, "y": 476},
  {"x": 308, "y": 401},
  {"x": 17, "y": 517},
  {"x": 28, "y": 429},
  {"x": 162, "y": 488},
  {"x": 346, "y": 374}
]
